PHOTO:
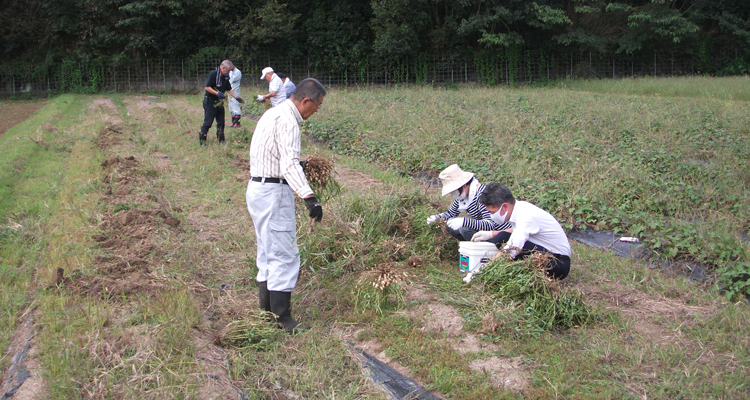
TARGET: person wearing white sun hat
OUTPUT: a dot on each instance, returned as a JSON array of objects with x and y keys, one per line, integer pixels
[
  {"x": 465, "y": 189},
  {"x": 276, "y": 91}
]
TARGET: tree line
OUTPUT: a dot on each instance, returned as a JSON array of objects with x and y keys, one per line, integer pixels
[{"x": 346, "y": 34}]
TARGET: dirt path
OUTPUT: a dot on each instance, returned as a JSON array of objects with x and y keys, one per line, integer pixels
[{"x": 13, "y": 113}]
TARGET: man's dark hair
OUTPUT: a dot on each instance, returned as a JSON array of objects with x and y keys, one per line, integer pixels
[
  {"x": 496, "y": 194},
  {"x": 281, "y": 75},
  {"x": 310, "y": 88}
]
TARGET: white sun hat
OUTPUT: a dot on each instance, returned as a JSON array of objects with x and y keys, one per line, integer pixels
[
  {"x": 453, "y": 178},
  {"x": 265, "y": 71}
]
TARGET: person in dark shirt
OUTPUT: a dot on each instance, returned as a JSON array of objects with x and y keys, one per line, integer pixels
[{"x": 217, "y": 85}]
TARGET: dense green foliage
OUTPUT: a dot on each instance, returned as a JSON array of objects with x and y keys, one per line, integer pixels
[
  {"x": 345, "y": 35},
  {"x": 669, "y": 170}
]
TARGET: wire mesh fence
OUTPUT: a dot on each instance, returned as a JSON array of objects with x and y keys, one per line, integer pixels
[{"x": 484, "y": 68}]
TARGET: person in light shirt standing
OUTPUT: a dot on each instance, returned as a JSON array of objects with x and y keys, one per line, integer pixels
[
  {"x": 235, "y": 75},
  {"x": 276, "y": 175},
  {"x": 275, "y": 87},
  {"x": 533, "y": 230},
  {"x": 288, "y": 84},
  {"x": 217, "y": 85}
]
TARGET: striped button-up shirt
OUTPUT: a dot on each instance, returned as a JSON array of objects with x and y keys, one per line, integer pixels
[
  {"x": 275, "y": 147},
  {"x": 480, "y": 218}
]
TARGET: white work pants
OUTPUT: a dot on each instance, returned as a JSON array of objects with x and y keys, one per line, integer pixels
[
  {"x": 234, "y": 105},
  {"x": 271, "y": 206}
]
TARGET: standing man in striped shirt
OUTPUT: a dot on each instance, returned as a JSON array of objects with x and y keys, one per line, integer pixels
[
  {"x": 276, "y": 173},
  {"x": 465, "y": 189}
]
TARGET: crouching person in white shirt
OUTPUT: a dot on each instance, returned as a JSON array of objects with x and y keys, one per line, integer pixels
[{"x": 533, "y": 230}]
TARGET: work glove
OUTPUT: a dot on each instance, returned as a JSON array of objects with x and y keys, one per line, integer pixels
[
  {"x": 239, "y": 100},
  {"x": 482, "y": 236},
  {"x": 432, "y": 218},
  {"x": 455, "y": 223},
  {"x": 260, "y": 97},
  {"x": 220, "y": 95},
  {"x": 303, "y": 164},
  {"x": 314, "y": 208}
]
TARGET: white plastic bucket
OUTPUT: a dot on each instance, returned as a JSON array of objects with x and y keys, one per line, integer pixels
[{"x": 474, "y": 255}]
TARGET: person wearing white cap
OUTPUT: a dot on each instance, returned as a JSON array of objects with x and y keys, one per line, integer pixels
[
  {"x": 465, "y": 189},
  {"x": 275, "y": 87}
]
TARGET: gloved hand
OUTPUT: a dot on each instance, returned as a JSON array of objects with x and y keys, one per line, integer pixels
[
  {"x": 220, "y": 95},
  {"x": 482, "y": 236},
  {"x": 314, "y": 208},
  {"x": 260, "y": 97},
  {"x": 303, "y": 164},
  {"x": 432, "y": 218},
  {"x": 455, "y": 223},
  {"x": 239, "y": 100}
]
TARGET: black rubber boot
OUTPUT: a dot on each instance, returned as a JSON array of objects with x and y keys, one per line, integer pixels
[
  {"x": 264, "y": 296},
  {"x": 281, "y": 306},
  {"x": 237, "y": 123},
  {"x": 202, "y": 139},
  {"x": 220, "y": 134}
]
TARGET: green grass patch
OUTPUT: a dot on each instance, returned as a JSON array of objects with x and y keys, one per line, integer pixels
[
  {"x": 529, "y": 303},
  {"x": 669, "y": 170},
  {"x": 702, "y": 87}
]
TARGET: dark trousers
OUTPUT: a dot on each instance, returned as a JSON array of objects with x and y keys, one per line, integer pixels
[
  {"x": 557, "y": 267},
  {"x": 462, "y": 234},
  {"x": 210, "y": 112}
]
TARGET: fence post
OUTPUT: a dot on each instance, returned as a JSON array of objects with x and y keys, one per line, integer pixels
[
  {"x": 571, "y": 65},
  {"x": 14, "y": 85},
  {"x": 613, "y": 68},
  {"x": 654, "y": 64},
  {"x": 466, "y": 72},
  {"x": 164, "y": 73},
  {"x": 148, "y": 76}
]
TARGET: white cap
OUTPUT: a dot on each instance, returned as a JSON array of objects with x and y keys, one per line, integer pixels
[
  {"x": 453, "y": 178},
  {"x": 266, "y": 70}
]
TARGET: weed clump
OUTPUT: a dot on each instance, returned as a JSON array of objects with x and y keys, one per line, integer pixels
[
  {"x": 253, "y": 332},
  {"x": 529, "y": 302}
]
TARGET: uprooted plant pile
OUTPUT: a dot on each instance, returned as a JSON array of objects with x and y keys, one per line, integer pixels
[
  {"x": 381, "y": 287},
  {"x": 319, "y": 173},
  {"x": 527, "y": 302},
  {"x": 254, "y": 332}
]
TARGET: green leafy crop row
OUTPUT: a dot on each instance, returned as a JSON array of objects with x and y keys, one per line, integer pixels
[{"x": 671, "y": 171}]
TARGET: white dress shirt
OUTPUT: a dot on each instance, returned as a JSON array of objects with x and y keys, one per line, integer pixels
[
  {"x": 275, "y": 147},
  {"x": 538, "y": 226}
]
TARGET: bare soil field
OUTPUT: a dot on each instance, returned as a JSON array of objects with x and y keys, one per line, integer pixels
[{"x": 13, "y": 113}]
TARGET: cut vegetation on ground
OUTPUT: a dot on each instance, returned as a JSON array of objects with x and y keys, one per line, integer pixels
[{"x": 127, "y": 261}]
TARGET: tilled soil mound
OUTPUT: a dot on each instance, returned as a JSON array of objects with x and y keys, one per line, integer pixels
[{"x": 126, "y": 236}]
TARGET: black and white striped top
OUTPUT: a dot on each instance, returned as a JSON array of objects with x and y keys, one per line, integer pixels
[{"x": 480, "y": 218}]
